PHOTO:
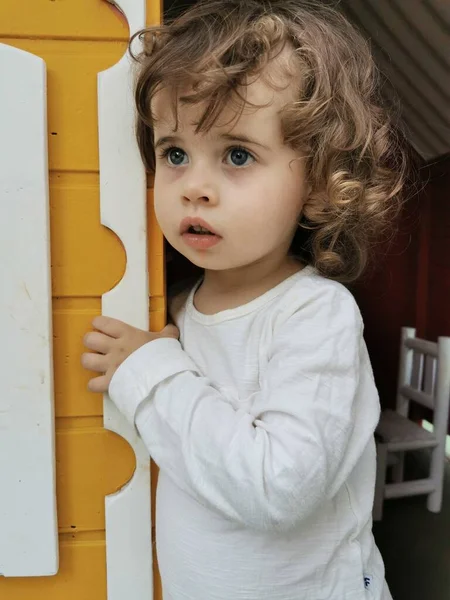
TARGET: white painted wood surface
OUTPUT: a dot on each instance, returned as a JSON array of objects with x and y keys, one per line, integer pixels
[
  {"x": 123, "y": 210},
  {"x": 28, "y": 524}
]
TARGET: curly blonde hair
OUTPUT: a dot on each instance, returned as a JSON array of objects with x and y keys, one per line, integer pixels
[{"x": 355, "y": 159}]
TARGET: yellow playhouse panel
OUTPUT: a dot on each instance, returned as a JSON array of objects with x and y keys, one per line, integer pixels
[
  {"x": 67, "y": 20},
  {"x": 81, "y": 576},
  {"x": 77, "y": 39},
  {"x": 87, "y": 258}
]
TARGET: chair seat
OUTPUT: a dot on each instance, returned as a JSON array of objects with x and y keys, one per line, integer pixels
[{"x": 395, "y": 428}]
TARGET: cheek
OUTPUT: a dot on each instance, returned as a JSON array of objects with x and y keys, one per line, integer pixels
[
  {"x": 288, "y": 193},
  {"x": 272, "y": 204}
]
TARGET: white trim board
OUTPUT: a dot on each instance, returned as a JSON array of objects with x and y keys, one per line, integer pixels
[
  {"x": 28, "y": 524},
  {"x": 123, "y": 210}
]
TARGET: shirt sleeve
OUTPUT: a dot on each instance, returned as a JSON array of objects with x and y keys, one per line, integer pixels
[{"x": 272, "y": 467}]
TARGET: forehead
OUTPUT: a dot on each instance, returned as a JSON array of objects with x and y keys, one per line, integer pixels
[{"x": 265, "y": 97}]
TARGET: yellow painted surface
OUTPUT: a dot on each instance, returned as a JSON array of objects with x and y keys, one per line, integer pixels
[{"x": 78, "y": 39}]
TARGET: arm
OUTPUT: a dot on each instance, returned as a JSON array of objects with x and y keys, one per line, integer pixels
[{"x": 269, "y": 468}]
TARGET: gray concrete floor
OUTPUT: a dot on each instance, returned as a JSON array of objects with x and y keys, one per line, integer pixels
[{"x": 415, "y": 545}]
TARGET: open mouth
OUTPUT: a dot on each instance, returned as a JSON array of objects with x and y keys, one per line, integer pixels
[
  {"x": 197, "y": 230},
  {"x": 200, "y": 238}
]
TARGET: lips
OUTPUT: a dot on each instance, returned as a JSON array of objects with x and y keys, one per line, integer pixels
[{"x": 196, "y": 221}]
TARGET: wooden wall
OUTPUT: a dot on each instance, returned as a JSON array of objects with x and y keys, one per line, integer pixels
[
  {"x": 434, "y": 312},
  {"x": 410, "y": 282},
  {"x": 77, "y": 39}
]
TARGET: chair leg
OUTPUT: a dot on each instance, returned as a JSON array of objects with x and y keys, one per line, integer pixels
[
  {"x": 382, "y": 453},
  {"x": 434, "y": 501}
]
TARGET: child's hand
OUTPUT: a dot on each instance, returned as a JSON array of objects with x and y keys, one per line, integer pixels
[{"x": 112, "y": 343}]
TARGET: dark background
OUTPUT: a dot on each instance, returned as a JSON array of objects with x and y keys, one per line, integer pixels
[{"x": 172, "y": 8}]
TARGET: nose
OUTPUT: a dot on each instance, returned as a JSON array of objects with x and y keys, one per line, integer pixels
[{"x": 199, "y": 189}]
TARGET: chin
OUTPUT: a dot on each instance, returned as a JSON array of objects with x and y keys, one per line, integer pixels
[
  {"x": 212, "y": 263},
  {"x": 207, "y": 260},
  {"x": 217, "y": 263}
]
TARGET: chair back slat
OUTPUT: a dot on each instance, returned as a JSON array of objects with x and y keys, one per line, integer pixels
[
  {"x": 429, "y": 383},
  {"x": 417, "y": 370},
  {"x": 405, "y": 369},
  {"x": 442, "y": 389}
]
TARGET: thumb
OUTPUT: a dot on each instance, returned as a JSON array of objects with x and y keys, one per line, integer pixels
[{"x": 170, "y": 331}]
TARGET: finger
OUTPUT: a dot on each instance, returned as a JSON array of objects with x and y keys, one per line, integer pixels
[
  {"x": 99, "y": 385},
  {"x": 99, "y": 342},
  {"x": 170, "y": 331},
  {"x": 112, "y": 327},
  {"x": 94, "y": 362}
]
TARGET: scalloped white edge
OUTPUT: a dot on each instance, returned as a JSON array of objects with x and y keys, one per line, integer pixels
[
  {"x": 123, "y": 210},
  {"x": 28, "y": 522}
]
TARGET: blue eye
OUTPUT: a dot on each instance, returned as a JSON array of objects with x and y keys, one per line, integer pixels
[
  {"x": 175, "y": 156},
  {"x": 239, "y": 157}
]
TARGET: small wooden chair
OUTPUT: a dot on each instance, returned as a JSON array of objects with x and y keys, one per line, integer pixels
[{"x": 424, "y": 377}]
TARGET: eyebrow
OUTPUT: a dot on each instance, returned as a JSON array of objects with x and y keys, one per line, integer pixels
[
  {"x": 167, "y": 139},
  {"x": 242, "y": 139}
]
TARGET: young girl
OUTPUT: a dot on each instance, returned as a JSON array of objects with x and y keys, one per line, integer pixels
[{"x": 274, "y": 168}]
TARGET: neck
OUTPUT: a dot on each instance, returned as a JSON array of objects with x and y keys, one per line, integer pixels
[{"x": 254, "y": 276}]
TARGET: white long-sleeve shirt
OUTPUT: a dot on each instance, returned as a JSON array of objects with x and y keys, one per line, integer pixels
[{"x": 261, "y": 420}]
